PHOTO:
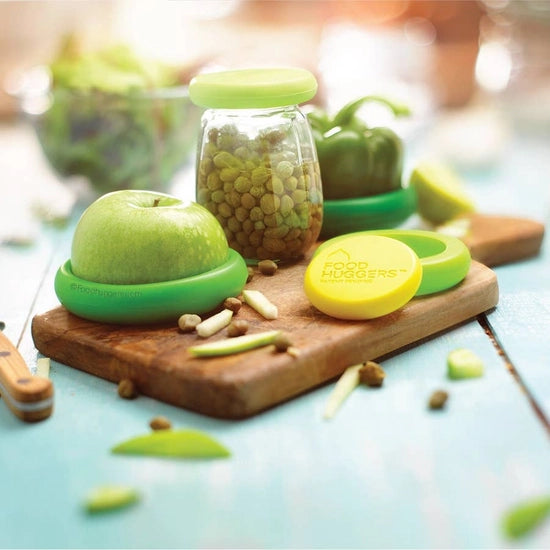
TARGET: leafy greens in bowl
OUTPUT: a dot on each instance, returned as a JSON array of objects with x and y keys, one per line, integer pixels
[{"x": 121, "y": 122}]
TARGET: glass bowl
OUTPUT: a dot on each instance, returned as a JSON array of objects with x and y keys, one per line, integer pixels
[{"x": 133, "y": 140}]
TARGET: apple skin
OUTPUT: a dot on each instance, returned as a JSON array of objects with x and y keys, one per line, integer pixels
[{"x": 123, "y": 238}]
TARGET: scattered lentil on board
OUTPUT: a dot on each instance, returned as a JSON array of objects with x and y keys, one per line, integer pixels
[
  {"x": 232, "y": 303},
  {"x": 267, "y": 267},
  {"x": 238, "y": 327},
  {"x": 188, "y": 322},
  {"x": 282, "y": 342}
]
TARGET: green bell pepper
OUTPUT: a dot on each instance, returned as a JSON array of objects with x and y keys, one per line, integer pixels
[{"x": 355, "y": 160}]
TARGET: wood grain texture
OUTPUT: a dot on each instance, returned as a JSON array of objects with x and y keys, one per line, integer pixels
[
  {"x": 237, "y": 386},
  {"x": 497, "y": 240}
]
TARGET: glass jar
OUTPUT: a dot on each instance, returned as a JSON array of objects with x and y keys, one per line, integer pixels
[{"x": 257, "y": 169}]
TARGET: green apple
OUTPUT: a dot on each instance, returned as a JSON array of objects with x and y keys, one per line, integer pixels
[{"x": 135, "y": 237}]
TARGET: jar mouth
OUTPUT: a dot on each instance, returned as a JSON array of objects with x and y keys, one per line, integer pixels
[{"x": 283, "y": 115}]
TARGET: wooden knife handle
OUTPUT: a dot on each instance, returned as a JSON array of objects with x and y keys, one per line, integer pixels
[{"x": 28, "y": 397}]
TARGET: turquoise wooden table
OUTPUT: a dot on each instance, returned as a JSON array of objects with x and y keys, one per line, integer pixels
[{"x": 386, "y": 472}]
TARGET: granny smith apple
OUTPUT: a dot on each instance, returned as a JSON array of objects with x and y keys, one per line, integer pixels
[{"x": 135, "y": 237}]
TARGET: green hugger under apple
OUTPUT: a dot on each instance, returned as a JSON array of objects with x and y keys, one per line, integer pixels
[{"x": 144, "y": 256}]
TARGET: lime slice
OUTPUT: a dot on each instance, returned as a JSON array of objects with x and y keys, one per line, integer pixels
[{"x": 440, "y": 192}]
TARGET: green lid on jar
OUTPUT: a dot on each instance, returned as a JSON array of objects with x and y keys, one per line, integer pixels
[{"x": 252, "y": 88}]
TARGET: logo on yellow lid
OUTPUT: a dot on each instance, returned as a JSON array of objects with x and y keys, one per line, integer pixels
[{"x": 362, "y": 277}]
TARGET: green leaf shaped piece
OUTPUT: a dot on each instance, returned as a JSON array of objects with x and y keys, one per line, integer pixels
[
  {"x": 110, "y": 497},
  {"x": 524, "y": 517},
  {"x": 173, "y": 444}
]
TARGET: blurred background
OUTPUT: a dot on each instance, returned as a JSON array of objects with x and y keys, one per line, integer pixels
[
  {"x": 436, "y": 53},
  {"x": 470, "y": 70}
]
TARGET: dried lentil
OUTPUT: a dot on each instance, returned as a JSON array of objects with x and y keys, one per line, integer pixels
[
  {"x": 371, "y": 374},
  {"x": 237, "y": 328},
  {"x": 127, "y": 389},
  {"x": 438, "y": 399},
  {"x": 160, "y": 423},
  {"x": 267, "y": 267},
  {"x": 282, "y": 342},
  {"x": 232, "y": 303},
  {"x": 188, "y": 322}
]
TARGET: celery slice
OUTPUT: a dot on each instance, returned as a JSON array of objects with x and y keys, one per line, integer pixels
[
  {"x": 214, "y": 324},
  {"x": 345, "y": 385},
  {"x": 43, "y": 367},
  {"x": 258, "y": 301}
]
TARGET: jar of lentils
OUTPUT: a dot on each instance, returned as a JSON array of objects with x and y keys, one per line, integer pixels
[{"x": 257, "y": 169}]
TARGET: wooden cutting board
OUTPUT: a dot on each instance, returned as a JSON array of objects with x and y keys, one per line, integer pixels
[
  {"x": 157, "y": 360},
  {"x": 497, "y": 240}
]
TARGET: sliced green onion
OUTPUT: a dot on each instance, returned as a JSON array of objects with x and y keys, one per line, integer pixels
[{"x": 237, "y": 344}]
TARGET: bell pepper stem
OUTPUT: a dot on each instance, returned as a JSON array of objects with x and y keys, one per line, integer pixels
[{"x": 346, "y": 113}]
